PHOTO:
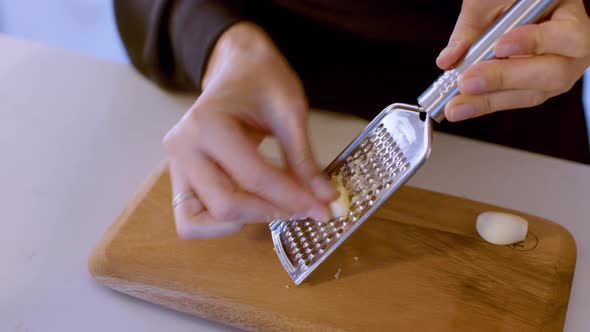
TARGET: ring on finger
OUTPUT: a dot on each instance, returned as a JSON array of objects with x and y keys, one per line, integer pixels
[{"x": 183, "y": 196}]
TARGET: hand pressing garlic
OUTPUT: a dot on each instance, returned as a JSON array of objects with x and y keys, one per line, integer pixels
[
  {"x": 501, "y": 228},
  {"x": 341, "y": 206}
]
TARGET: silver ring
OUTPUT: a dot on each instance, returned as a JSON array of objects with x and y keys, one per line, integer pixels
[{"x": 183, "y": 196}]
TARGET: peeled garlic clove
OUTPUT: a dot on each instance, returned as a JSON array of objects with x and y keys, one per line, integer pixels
[
  {"x": 501, "y": 228},
  {"x": 341, "y": 206}
]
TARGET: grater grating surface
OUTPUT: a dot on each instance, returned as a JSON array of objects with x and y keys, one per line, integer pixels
[
  {"x": 372, "y": 167},
  {"x": 388, "y": 152}
]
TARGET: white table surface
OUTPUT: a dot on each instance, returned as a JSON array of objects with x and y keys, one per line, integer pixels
[{"x": 79, "y": 135}]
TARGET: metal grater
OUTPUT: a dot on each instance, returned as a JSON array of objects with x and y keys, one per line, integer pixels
[{"x": 386, "y": 154}]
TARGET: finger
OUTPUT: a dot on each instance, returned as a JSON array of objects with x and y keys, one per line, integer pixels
[
  {"x": 464, "y": 107},
  {"x": 566, "y": 37},
  {"x": 191, "y": 219},
  {"x": 549, "y": 73},
  {"x": 188, "y": 208},
  {"x": 230, "y": 147},
  {"x": 221, "y": 196},
  {"x": 204, "y": 225},
  {"x": 475, "y": 17},
  {"x": 289, "y": 125}
]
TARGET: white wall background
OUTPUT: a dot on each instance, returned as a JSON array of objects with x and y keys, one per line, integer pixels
[{"x": 85, "y": 26}]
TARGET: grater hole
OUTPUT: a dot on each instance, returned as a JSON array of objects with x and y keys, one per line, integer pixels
[
  {"x": 340, "y": 231},
  {"x": 330, "y": 236},
  {"x": 422, "y": 116}
]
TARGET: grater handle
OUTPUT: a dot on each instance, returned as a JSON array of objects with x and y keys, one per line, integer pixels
[{"x": 434, "y": 99}]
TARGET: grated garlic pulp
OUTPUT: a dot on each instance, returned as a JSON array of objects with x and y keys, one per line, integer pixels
[{"x": 341, "y": 206}]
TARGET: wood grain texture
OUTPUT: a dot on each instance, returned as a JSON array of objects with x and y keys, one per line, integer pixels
[{"x": 421, "y": 267}]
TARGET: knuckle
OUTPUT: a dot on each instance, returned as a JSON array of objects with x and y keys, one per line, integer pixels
[
  {"x": 541, "y": 98},
  {"x": 580, "y": 40},
  {"x": 536, "y": 99},
  {"x": 304, "y": 165},
  {"x": 488, "y": 105},
  {"x": 199, "y": 122},
  {"x": 561, "y": 80},
  {"x": 193, "y": 126},
  {"x": 555, "y": 79},
  {"x": 258, "y": 182},
  {"x": 226, "y": 209},
  {"x": 539, "y": 39},
  {"x": 291, "y": 103},
  {"x": 170, "y": 140},
  {"x": 497, "y": 75}
]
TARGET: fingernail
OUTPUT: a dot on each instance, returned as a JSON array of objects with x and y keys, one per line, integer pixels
[
  {"x": 462, "y": 112},
  {"x": 300, "y": 216},
  {"x": 447, "y": 49},
  {"x": 322, "y": 188},
  {"x": 506, "y": 50},
  {"x": 278, "y": 216},
  {"x": 472, "y": 85},
  {"x": 320, "y": 214}
]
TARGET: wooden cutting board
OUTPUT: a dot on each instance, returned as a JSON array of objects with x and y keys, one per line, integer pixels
[{"x": 417, "y": 265}]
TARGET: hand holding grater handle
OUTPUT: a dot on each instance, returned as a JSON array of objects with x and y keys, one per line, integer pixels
[{"x": 434, "y": 99}]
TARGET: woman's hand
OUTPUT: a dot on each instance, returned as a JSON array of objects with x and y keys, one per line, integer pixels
[
  {"x": 535, "y": 62},
  {"x": 249, "y": 92}
]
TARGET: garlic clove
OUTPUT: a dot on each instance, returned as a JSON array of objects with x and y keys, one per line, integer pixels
[{"x": 501, "y": 228}]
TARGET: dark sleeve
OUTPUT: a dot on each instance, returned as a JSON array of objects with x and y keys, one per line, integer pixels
[{"x": 169, "y": 41}]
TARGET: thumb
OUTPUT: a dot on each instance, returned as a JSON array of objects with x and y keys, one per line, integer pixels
[
  {"x": 289, "y": 124},
  {"x": 475, "y": 17}
]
